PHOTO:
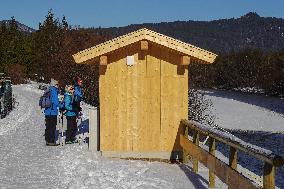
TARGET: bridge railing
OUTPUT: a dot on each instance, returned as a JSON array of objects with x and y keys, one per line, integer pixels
[{"x": 227, "y": 173}]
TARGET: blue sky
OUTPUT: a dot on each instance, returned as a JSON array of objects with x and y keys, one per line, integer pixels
[{"x": 107, "y": 13}]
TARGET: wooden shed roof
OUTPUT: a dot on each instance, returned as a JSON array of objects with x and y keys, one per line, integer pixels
[{"x": 144, "y": 34}]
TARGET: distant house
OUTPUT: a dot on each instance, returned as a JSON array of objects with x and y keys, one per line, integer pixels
[{"x": 143, "y": 92}]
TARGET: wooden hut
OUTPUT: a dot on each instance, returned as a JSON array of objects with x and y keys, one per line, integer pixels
[{"x": 143, "y": 91}]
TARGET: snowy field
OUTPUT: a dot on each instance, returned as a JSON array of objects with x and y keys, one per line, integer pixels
[
  {"x": 256, "y": 119},
  {"x": 25, "y": 161},
  {"x": 247, "y": 112}
]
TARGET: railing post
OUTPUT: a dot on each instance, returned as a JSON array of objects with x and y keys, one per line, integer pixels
[
  {"x": 196, "y": 142},
  {"x": 185, "y": 154},
  {"x": 233, "y": 161},
  {"x": 233, "y": 158},
  {"x": 212, "y": 148},
  {"x": 268, "y": 176}
]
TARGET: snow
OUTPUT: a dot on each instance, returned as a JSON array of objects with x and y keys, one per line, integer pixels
[
  {"x": 233, "y": 139},
  {"x": 239, "y": 111},
  {"x": 26, "y": 162}
]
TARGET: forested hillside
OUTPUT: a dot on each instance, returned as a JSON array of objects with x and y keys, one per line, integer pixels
[
  {"x": 225, "y": 35},
  {"x": 249, "y": 50}
]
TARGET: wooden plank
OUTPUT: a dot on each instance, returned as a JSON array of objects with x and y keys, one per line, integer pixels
[
  {"x": 212, "y": 148},
  {"x": 268, "y": 176},
  {"x": 122, "y": 116},
  {"x": 129, "y": 108},
  {"x": 168, "y": 135},
  {"x": 112, "y": 112},
  {"x": 103, "y": 109},
  {"x": 233, "y": 162},
  {"x": 103, "y": 60},
  {"x": 221, "y": 169},
  {"x": 174, "y": 95},
  {"x": 233, "y": 159},
  {"x": 142, "y": 104},
  {"x": 185, "y": 158},
  {"x": 153, "y": 96},
  {"x": 144, "y": 45},
  {"x": 135, "y": 107},
  {"x": 196, "y": 142},
  {"x": 185, "y": 60}
]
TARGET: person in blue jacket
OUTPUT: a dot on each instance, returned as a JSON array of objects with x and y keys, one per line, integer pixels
[
  {"x": 78, "y": 95},
  {"x": 51, "y": 114},
  {"x": 70, "y": 114}
]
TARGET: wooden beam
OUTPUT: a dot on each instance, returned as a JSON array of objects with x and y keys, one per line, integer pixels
[
  {"x": 185, "y": 154},
  {"x": 233, "y": 162},
  {"x": 144, "y": 45},
  {"x": 221, "y": 169},
  {"x": 268, "y": 176},
  {"x": 196, "y": 142},
  {"x": 103, "y": 60},
  {"x": 212, "y": 148},
  {"x": 185, "y": 60}
]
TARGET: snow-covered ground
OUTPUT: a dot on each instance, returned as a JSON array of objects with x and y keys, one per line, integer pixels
[
  {"x": 25, "y": 161},
  {"x": 241, "y": 111}
]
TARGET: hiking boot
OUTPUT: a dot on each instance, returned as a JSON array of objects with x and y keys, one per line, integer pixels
[{"x": 51, "y": 144}]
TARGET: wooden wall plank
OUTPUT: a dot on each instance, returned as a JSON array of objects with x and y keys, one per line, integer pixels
[
  {"x": 102, "y": 110},
  {"x": 135, "y": 99},
  {"x": 153, "y": 96},
  {"x": 142, "y": 108},
  {"x": 174, "y": 103},
  {"x": 122, "y": 75}
]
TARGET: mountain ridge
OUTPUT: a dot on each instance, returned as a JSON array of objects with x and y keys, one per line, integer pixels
[
  {"x": 21, "y": 27},
  {"x": 223, "y": 35},
  {"x": 219, "y": 36}
]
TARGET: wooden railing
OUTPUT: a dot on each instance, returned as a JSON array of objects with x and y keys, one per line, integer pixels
[{"x": 227, "y": 173}]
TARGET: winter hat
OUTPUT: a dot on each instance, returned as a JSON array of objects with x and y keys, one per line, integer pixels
[
  {"x": 68, "y": 88},
  {"x": 79, "y": 80},
  {"x": 53, "y": 82}
]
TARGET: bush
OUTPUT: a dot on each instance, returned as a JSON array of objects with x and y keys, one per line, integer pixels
[
  {"x": 200, "y": 108},
  {"x": 17, "y": 73}
]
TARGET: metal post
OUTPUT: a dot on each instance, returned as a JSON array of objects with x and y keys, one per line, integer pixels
[{"x": 94, "y": 130}]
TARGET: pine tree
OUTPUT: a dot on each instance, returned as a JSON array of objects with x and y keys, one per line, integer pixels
[{"x": 48, "y": 41}]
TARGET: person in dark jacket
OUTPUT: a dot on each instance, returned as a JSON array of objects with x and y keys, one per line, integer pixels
[
  {"x": 51, "y": 114},
  {"x": 70, "y": 114},
  {"x": 78, "y": 95}
]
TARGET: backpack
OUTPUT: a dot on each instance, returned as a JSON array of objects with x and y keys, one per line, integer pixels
[
  {"x": 45, "y": 99},
  {"x": 61, "y": 106},
  {"x": 77, "y": 98}
]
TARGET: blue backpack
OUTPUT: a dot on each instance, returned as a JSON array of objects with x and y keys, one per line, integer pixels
[
  {"x": 45, "y": 99},
  {"x": 62, "y": 106}
]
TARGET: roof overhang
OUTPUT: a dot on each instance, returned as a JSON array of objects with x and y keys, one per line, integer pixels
[{"x": 144, "y": 34}]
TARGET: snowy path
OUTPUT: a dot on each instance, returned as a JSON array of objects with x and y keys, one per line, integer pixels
[
  {"x": 25, "y": 161},
  {"x": 240, "y": 111}
]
